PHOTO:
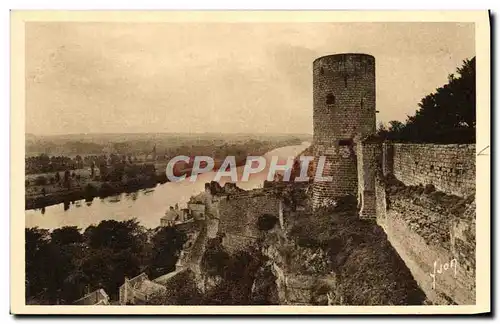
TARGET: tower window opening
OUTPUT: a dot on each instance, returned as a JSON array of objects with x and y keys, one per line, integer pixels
[
  {"x": 345, "y": 142},
  {"x": 345, "y": 80},
  {"x": 321, "y": 71},
  {"x": 330, "y": 99},
  {"x": 362, "y": 102}
]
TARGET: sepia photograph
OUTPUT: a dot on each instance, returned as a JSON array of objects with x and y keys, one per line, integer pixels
[{"x": 301, "y": 161}]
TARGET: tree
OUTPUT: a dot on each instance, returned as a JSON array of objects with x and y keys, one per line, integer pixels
[
  {"x": 445, "y": 116},
  {"x": 66, "y": 235},
  {"x": 114, "y": 235},
  {"x": 116, "y": 173},
  {"x": 63, "y": 265},
  {"x": 36, "y": 244},
  {"x": 66, "y": 176},
  {"x": 117, "y": 250},
  {"x": 103, "y": 171},
  {"x": 393, "y": 132},
  {"x": 107, "y": 269},
  {"x": 90, "y": 192},
  {"x": 40, "y": 181},
  {"x": 167, "y": 242},
  {"x": 35, "y": 240},
  {"x": 79, "y": 162},
  {"x": 92, "y": 171}
]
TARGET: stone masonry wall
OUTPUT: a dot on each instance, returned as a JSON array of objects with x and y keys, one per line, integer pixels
[
  {"x": 438, "y": 246},
  {"x": 463, "y": 248},
  {"x": 342, "y": 167},
  {"x": 369, "y": 159},
  {"x": 239, "y": 215},
  {"x": 443, "y": 268},
  {"x": 450, "y": 168},
  {"x": 343, "y": 97}
]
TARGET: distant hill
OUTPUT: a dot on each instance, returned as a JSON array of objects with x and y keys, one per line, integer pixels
[
  {"x": 30, "y": 136},
  {"x": 139, "y": 143}
]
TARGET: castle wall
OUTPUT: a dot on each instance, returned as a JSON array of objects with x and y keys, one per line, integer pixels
[
  {"x": 380, "y": 200},
  {"x": 440, "y": 258},
  {"x": 344, "y": 108},
  {"x": 463, "y": 247},
  {"x": 437, "y": 246},
  {"x": 369, "y": 159},
  {"x": 344, "y": 97},
  {"x": 342, "y": 167},
  {"x": 450, "y": 168},
  {"x": 239, "y": 215}
]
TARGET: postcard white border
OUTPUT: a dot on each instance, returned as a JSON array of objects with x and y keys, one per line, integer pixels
[{"x": 482, "y": 26}]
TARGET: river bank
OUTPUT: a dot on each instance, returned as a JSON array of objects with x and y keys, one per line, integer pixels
[
  {"x": 148, "y": 205},
  {"x": 88, "y": 193},
  {"x": 103, "y": 189}
]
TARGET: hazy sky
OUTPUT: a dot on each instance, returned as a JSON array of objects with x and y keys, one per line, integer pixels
[{"x": 220, "y": 77}]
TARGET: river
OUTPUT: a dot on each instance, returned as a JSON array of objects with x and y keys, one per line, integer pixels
[{"x": 148, "y": 205}]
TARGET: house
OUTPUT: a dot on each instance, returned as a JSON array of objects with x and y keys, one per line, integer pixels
[
  {"x": 172, "y": 216},
  {"x": 175, "y": 216},
  {"x": 197, "y": 210},
  {"x": 97, "y": 297},
  {"x": 138, "y": 290}
]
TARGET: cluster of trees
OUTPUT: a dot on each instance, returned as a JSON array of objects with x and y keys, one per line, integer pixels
[
  {"x": 114, "y": 167},
  {"x": 127, "y": 152},
  {"x": 445, "y": 116},
  {"x": 65, "y": 264},
  {"x": 44, "y": 164},
  {"x": 64, "y": 180},
  {"x": 117, "y": 171},
  {"x": 250, "y": 147},
  {"x": 220, "y": 150},
  {"x": 134, "y": 174}
]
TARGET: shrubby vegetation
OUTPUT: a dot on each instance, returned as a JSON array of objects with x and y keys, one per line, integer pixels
[
  {"x": 231, "y": 279},
  {"x": 445, "y": 116},
  {"x": 237, "y": 275},
  {"x": 65, "y": 264},
  {"x": 369, "y": 270}
]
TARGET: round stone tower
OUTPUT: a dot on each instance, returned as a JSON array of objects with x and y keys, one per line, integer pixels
[{"x": 344, "y": 113}]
